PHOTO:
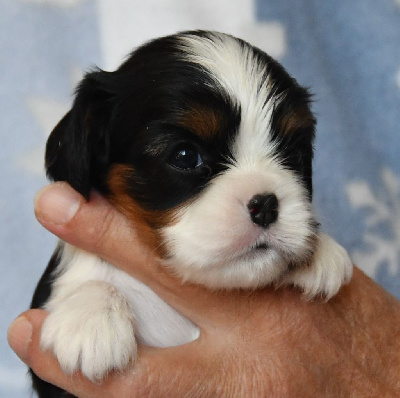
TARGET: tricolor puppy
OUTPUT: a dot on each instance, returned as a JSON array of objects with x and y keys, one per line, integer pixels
[{"x": 206, "y": 144}]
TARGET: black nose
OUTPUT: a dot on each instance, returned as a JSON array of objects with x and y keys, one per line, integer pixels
[{"x": 263, "y": 209}]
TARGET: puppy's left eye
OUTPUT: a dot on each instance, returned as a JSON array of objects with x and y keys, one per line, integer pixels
[{"x": 185, "y": 157}]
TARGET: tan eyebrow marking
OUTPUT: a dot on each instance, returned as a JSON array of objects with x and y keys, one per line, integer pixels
[
  {"x": 298, "y": 118},
  {"x": 203, "y": 121}
]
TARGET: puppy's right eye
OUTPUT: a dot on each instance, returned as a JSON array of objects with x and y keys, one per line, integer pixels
[{"x": 185, "y": 157}]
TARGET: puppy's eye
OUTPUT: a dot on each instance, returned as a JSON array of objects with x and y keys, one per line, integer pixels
[{"x": 185, "y": 157}]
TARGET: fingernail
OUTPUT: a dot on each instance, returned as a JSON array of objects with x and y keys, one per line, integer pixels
[
  {"x": 19, "y": 336},
  {"x": 57, "y": 203}
]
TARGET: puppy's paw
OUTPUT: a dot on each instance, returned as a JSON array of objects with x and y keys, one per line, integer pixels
[
  {"x": 91, "y": 329},
  {"x": 330, "y": 269}
]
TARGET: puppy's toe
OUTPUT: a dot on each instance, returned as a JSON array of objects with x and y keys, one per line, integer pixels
[
  {"x": 92, "y": 330},
  {"x": 330, "y": 269}
]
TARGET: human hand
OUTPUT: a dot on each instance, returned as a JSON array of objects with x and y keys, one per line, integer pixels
[{"x": 261, "y": 343}]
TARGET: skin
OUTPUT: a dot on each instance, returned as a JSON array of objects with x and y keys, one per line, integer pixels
[{"x": 262, "y": 343}]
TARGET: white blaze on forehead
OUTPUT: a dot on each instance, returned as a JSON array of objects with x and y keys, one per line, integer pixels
[
  {"x": 236, "y": 68},
  {"x": 214, "y": 240}
]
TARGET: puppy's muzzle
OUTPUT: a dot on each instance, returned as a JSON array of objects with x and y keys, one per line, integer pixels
[{"x": 263, "y": 209}]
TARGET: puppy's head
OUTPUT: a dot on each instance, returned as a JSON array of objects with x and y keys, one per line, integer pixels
[{"x": 205, "y": 142}]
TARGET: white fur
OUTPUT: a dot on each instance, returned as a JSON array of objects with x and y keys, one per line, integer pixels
[
  {"x": 330, "y": 269},
  {"x": 90, "y": 328},
  {"x": 95, "y": 309},
  {"x": 239, "y": 73},
  {"x": 95, "y": 312},
  {"x": 213, "y": 242}
]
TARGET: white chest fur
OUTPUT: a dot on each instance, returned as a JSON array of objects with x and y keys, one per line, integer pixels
[
  {"x": 96, "y": 311},
  {"x": 157, "y": 324}
]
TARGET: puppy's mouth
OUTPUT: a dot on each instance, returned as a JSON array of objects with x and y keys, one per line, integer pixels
[{"x": 261, "y": 246}]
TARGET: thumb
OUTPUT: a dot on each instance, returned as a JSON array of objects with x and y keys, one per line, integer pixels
[{"x": 94, "y": 226}]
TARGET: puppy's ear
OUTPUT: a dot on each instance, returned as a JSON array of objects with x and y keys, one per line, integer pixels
[{"x": 77, "y": 150}]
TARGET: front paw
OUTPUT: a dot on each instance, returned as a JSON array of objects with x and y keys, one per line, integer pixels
[
  {"x": 330, "y": 268},
  {"x": 91, "y": 329}
]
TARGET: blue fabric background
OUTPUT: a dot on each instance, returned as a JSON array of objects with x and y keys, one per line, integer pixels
[{"x": 347, "y": 52}]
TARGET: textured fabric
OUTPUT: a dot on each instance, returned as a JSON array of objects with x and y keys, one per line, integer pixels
[{"x": 347, "y": 52}]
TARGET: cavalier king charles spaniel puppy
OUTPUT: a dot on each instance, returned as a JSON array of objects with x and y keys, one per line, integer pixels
[{"x": 206, "y": 143}]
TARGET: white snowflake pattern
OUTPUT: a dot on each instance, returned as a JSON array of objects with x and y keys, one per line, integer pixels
[{"x": 385, "y": 209}]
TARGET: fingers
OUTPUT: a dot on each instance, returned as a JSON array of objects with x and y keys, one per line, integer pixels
[
  {"x": 23, "y": 338},
  {"x": 153, "y": 374}
]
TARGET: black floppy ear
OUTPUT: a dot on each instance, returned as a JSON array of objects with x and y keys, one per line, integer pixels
[{"x": 77, "y": 150}]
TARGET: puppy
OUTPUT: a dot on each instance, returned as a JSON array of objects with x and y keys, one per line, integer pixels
[{"x": 206, "y": 144}]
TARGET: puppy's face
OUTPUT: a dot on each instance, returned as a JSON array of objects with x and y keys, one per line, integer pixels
[{"x": 206, "y": 144}]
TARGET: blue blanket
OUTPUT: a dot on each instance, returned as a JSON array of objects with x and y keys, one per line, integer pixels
[{"x": 347, "y": 52}]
